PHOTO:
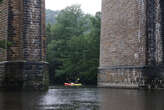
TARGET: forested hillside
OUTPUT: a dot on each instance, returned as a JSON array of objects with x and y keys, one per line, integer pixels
[
  {"x": 51, "y": 16},
  {"x": 73, "y": 46}
]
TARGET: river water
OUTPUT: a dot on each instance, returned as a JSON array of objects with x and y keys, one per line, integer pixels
[{"x": 64, "y": 98}]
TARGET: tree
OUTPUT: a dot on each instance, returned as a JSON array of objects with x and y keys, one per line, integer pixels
[
  {"x": 73, "y": 46},
  {"x": 48, "y": 33}
]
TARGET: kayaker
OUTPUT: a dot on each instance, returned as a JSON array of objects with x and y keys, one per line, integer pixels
[{"x": 77, "y": 80}]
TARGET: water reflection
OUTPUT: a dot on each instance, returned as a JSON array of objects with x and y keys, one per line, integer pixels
[
  {"x": 71, "y": 99},
  {"x": 83, "y": 99},
  {"x": 53, "y": 99},
  {"x": 20, "y": 100},
  {"x": 114, "y": 99}
]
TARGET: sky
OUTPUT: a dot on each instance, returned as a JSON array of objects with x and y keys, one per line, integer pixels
[{"x": 88, "y": 6}]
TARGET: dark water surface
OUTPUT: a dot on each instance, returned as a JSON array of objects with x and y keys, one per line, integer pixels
[{"x": 62, "y": 98}]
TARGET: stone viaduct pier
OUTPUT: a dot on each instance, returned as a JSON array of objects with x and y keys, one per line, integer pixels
[
  {"x": 132, "y": 44},
  {"x": 22, "y": 30}
]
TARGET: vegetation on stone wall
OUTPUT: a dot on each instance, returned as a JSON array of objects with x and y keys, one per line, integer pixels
[
  {"x": 4, "y": 43},
  {"x": 1, "y": 1},
  {"x": 73, "y": 46}
]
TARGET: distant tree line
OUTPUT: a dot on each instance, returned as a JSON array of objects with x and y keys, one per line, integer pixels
[
  {"x": 73, "y": 46},
  {"x": 50, "y": 16}
]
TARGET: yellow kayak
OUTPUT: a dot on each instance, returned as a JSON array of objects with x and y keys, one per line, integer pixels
[
  {"x": 77, "y": 84},
  {"x": 72, "y": 84}
]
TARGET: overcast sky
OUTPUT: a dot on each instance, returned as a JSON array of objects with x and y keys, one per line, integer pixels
[{"x": 88, "y": 6}]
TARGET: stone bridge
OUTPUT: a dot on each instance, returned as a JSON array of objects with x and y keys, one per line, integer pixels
[{"x": 131, "y": 51}]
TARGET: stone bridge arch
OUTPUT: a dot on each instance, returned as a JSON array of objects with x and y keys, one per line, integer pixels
[{"x": 131, "y": 53}]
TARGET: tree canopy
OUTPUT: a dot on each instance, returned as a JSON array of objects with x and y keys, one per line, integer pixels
[{"x": 73, "y": 46}]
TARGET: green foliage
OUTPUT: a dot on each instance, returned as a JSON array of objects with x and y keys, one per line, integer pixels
[
  {"x": 4, "y": 44},
  {"x": 73, "y": 46},
  {"x": 1, "y": 1}
]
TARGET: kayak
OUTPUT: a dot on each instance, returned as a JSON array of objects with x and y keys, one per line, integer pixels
[{"x": 72, "y": 84}]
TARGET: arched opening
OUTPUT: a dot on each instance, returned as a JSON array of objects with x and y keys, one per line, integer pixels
[{"x": 73, "y": 40}]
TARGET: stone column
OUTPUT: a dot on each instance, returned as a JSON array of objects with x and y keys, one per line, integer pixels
[
  {"x": 25, "y": 66},
  {"x": 35, "y": 68},
  {"x": 3, "y": 37},
  {"x": 123, "y": 43}
]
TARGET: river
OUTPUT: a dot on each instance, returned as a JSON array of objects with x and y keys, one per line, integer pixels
[{"x": 89, "y": 98}]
